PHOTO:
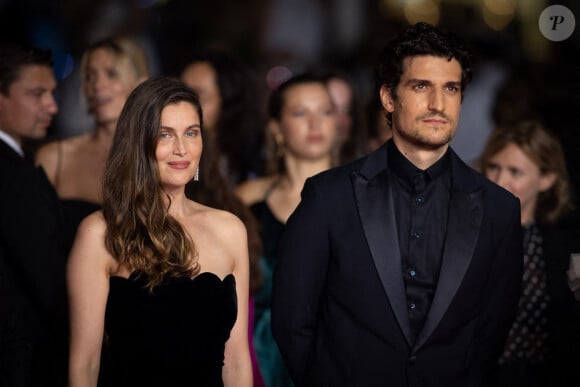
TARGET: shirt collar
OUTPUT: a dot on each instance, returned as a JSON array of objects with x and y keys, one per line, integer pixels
[
  {"x": 9, "y": 140},
  {"x": 406, "y": 170}
]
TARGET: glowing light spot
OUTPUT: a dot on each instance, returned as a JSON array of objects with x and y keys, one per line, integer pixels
[{"x": 277, "y": 75}]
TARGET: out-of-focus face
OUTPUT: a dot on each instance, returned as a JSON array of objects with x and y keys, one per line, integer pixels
[
  {"x": 426, "y": 110},
  {"x": 27, "y": 110},
  {"x": 341, "y": 94},
  {"x": 108, "y": 82},
  {"x": 202, "y": 78},
  {"x": 179, "y": 146},
  {"x": 308, "y": 121},
  {"x": 512, "y": 169}
]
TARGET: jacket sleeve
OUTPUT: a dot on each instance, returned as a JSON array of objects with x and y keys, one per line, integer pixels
[
  {"x": 299, "y": 281},
  {"x": 502, "y": 294}
]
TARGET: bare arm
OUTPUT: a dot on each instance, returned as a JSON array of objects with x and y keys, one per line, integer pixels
[
  {"x": 88, "y": 288},
  {"x": 237, "y": 369},
  {"x": 253, "y": 191}
]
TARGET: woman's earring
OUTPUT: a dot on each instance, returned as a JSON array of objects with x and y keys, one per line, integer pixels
[
  {"x": 279, "y": 141},
  {"x": 196, "y": 176}
]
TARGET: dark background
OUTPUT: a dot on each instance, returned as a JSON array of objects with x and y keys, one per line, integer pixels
[{"x": 303, "y": 34}]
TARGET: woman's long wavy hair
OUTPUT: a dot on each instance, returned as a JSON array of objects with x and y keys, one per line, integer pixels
[
  {"x": 141, "y": 235},
  {"x": 545, "y": 150}
]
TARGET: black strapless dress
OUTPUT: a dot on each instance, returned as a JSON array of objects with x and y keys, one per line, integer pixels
[{"x": 174, "y": 336}]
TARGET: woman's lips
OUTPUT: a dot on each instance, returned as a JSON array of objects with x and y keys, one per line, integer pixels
[{"x": 179, "y": 164}]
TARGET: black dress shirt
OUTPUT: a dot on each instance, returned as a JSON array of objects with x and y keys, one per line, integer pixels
[{"x": 421, "y": 200}]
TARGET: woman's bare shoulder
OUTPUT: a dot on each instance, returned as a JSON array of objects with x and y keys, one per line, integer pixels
[
  {"x": 218, "y": 219},
  {"x": 254, "y": 190},
  {"x": 91, "y": 230},
  {"x": 89, "y": 246},
  {"x": 47, "y": 155}
]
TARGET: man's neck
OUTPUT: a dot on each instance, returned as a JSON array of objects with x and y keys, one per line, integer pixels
[{"x": 422, "y": 158}]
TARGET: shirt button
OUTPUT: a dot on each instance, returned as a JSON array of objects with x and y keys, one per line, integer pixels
[
  {"x": 419, "y": 199},
  {"x": 415, "y": 235},
  {"x": 412, "y": 273},
  {"x": 412, "y": 306}
]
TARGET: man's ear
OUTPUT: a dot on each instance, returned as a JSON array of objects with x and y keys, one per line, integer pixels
[
  {"x": 387, "y": 99},
  {"x": 3, "y": 100}
]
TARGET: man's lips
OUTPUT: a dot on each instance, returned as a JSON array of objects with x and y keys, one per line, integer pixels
[
  {"x": 438, "y": 119},
  {"x": 434, "y": 121},
  {"x": 46, "y": 121}
]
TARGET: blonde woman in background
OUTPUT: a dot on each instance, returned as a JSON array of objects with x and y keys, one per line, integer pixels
[
  {"x": 542, "y": 346},
  {"x": 110, "y": 70}
]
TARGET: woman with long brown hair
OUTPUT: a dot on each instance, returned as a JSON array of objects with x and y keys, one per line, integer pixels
[{"x": 164, "y": 277}]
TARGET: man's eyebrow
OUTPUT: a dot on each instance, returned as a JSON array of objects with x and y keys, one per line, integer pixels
[
  {"x": 413, "y": 81},
  {"x": 418, "y": 80}
]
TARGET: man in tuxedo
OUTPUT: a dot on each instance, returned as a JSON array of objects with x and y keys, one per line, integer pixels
[
  {"x": 402, "y": 268},
  {"x": 32, "y": 285}
]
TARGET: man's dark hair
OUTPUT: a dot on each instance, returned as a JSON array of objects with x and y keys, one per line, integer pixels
[
  {"x": 418, "y": 40},
  {"x": 13, "y": 57}
]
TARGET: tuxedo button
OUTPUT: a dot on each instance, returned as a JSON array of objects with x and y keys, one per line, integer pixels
[
  {"x": 412, "y": 306},
  {"x": 419, "y": 199},
  {"x": 412, "y": 273},
  {"x": 412, "y": 359}
]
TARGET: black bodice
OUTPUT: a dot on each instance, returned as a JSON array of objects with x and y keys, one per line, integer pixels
[{"x": 173, "y": 336}]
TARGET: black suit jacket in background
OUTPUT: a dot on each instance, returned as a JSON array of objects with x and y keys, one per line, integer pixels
[
  {"x": 33, "y": 327},
  {"x": 339, "y": 308}
]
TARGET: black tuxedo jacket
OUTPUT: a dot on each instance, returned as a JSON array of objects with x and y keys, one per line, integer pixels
[
  {"x": 32, "y": 271},
  {"x": 339, "y": 309}
]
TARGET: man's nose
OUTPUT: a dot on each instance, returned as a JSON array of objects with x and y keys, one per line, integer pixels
[
  {"x": 50, "y": 103},
  {"x": 436, "y": 101}
]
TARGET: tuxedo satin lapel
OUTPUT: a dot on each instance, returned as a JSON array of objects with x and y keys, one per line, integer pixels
[
  {"x": 465, "y": 215},
  {"x": 375, "y": 205}
]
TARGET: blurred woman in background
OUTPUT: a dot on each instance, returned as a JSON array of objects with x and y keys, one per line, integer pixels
[
  {"x": 303, "y": 139},
  {"x": 228, "y": 92},
  {"x": 542, "y": 347},
  {"x": 110, "y": 70}
]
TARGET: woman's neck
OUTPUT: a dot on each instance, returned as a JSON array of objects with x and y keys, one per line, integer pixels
[
  {"x": 178, "y": 203},
  {"x": 104, "y": 132},
  {"x": 528, "y": 212},
  {"x": 297, "y": 171}
]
